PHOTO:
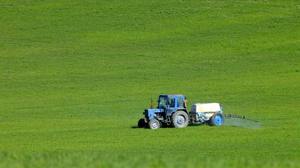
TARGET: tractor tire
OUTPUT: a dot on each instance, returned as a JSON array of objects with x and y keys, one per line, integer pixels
[
  {"x": 216, "y": 120},
  {"x": 180, "y": 119},
  {"x": 154, "y": 124},
  {"x": 142, "y": 123}
]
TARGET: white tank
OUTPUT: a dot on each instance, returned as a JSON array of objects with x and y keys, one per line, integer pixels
[{"x": 206, "y": 107}]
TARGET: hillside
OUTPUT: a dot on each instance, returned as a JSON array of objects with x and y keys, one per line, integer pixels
[{"x": 75, "y": 77}]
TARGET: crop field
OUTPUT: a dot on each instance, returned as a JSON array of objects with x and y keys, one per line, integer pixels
[{"x": 75, "y": 77}]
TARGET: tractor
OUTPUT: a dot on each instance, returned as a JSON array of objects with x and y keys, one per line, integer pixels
[{"x": 172, "y": 111}]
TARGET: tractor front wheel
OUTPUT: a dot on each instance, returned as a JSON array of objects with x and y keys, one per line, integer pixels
[
  {"x": 180, "y": 119},
  {"x": 142, "y": 123},
  {"x": 154, "y": 124}
]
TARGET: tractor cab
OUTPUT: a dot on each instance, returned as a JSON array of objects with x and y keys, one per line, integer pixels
[{"x": 172, "y": 102}]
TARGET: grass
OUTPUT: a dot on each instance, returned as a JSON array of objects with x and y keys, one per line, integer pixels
[{"x": 75, "y": 77}]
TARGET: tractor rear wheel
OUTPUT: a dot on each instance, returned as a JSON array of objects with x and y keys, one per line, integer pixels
[
  {"x": 154, "y": 124},
  {"x": 180, "y": 119},
  {"x": 142, "y": 123},
  {"x": 216, "y": 120}
]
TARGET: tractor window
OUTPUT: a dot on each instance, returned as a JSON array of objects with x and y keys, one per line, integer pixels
[
  {"x": 172, "y": 102},
  {"x": 180, "y": 102},
  {"x": 162, "y": 102}
]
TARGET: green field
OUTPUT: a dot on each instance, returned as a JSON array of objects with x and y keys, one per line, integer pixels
[{"x": 75, "y": 77}]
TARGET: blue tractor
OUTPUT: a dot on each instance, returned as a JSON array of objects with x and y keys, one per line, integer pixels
[{"x": 171, "y": 111}]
